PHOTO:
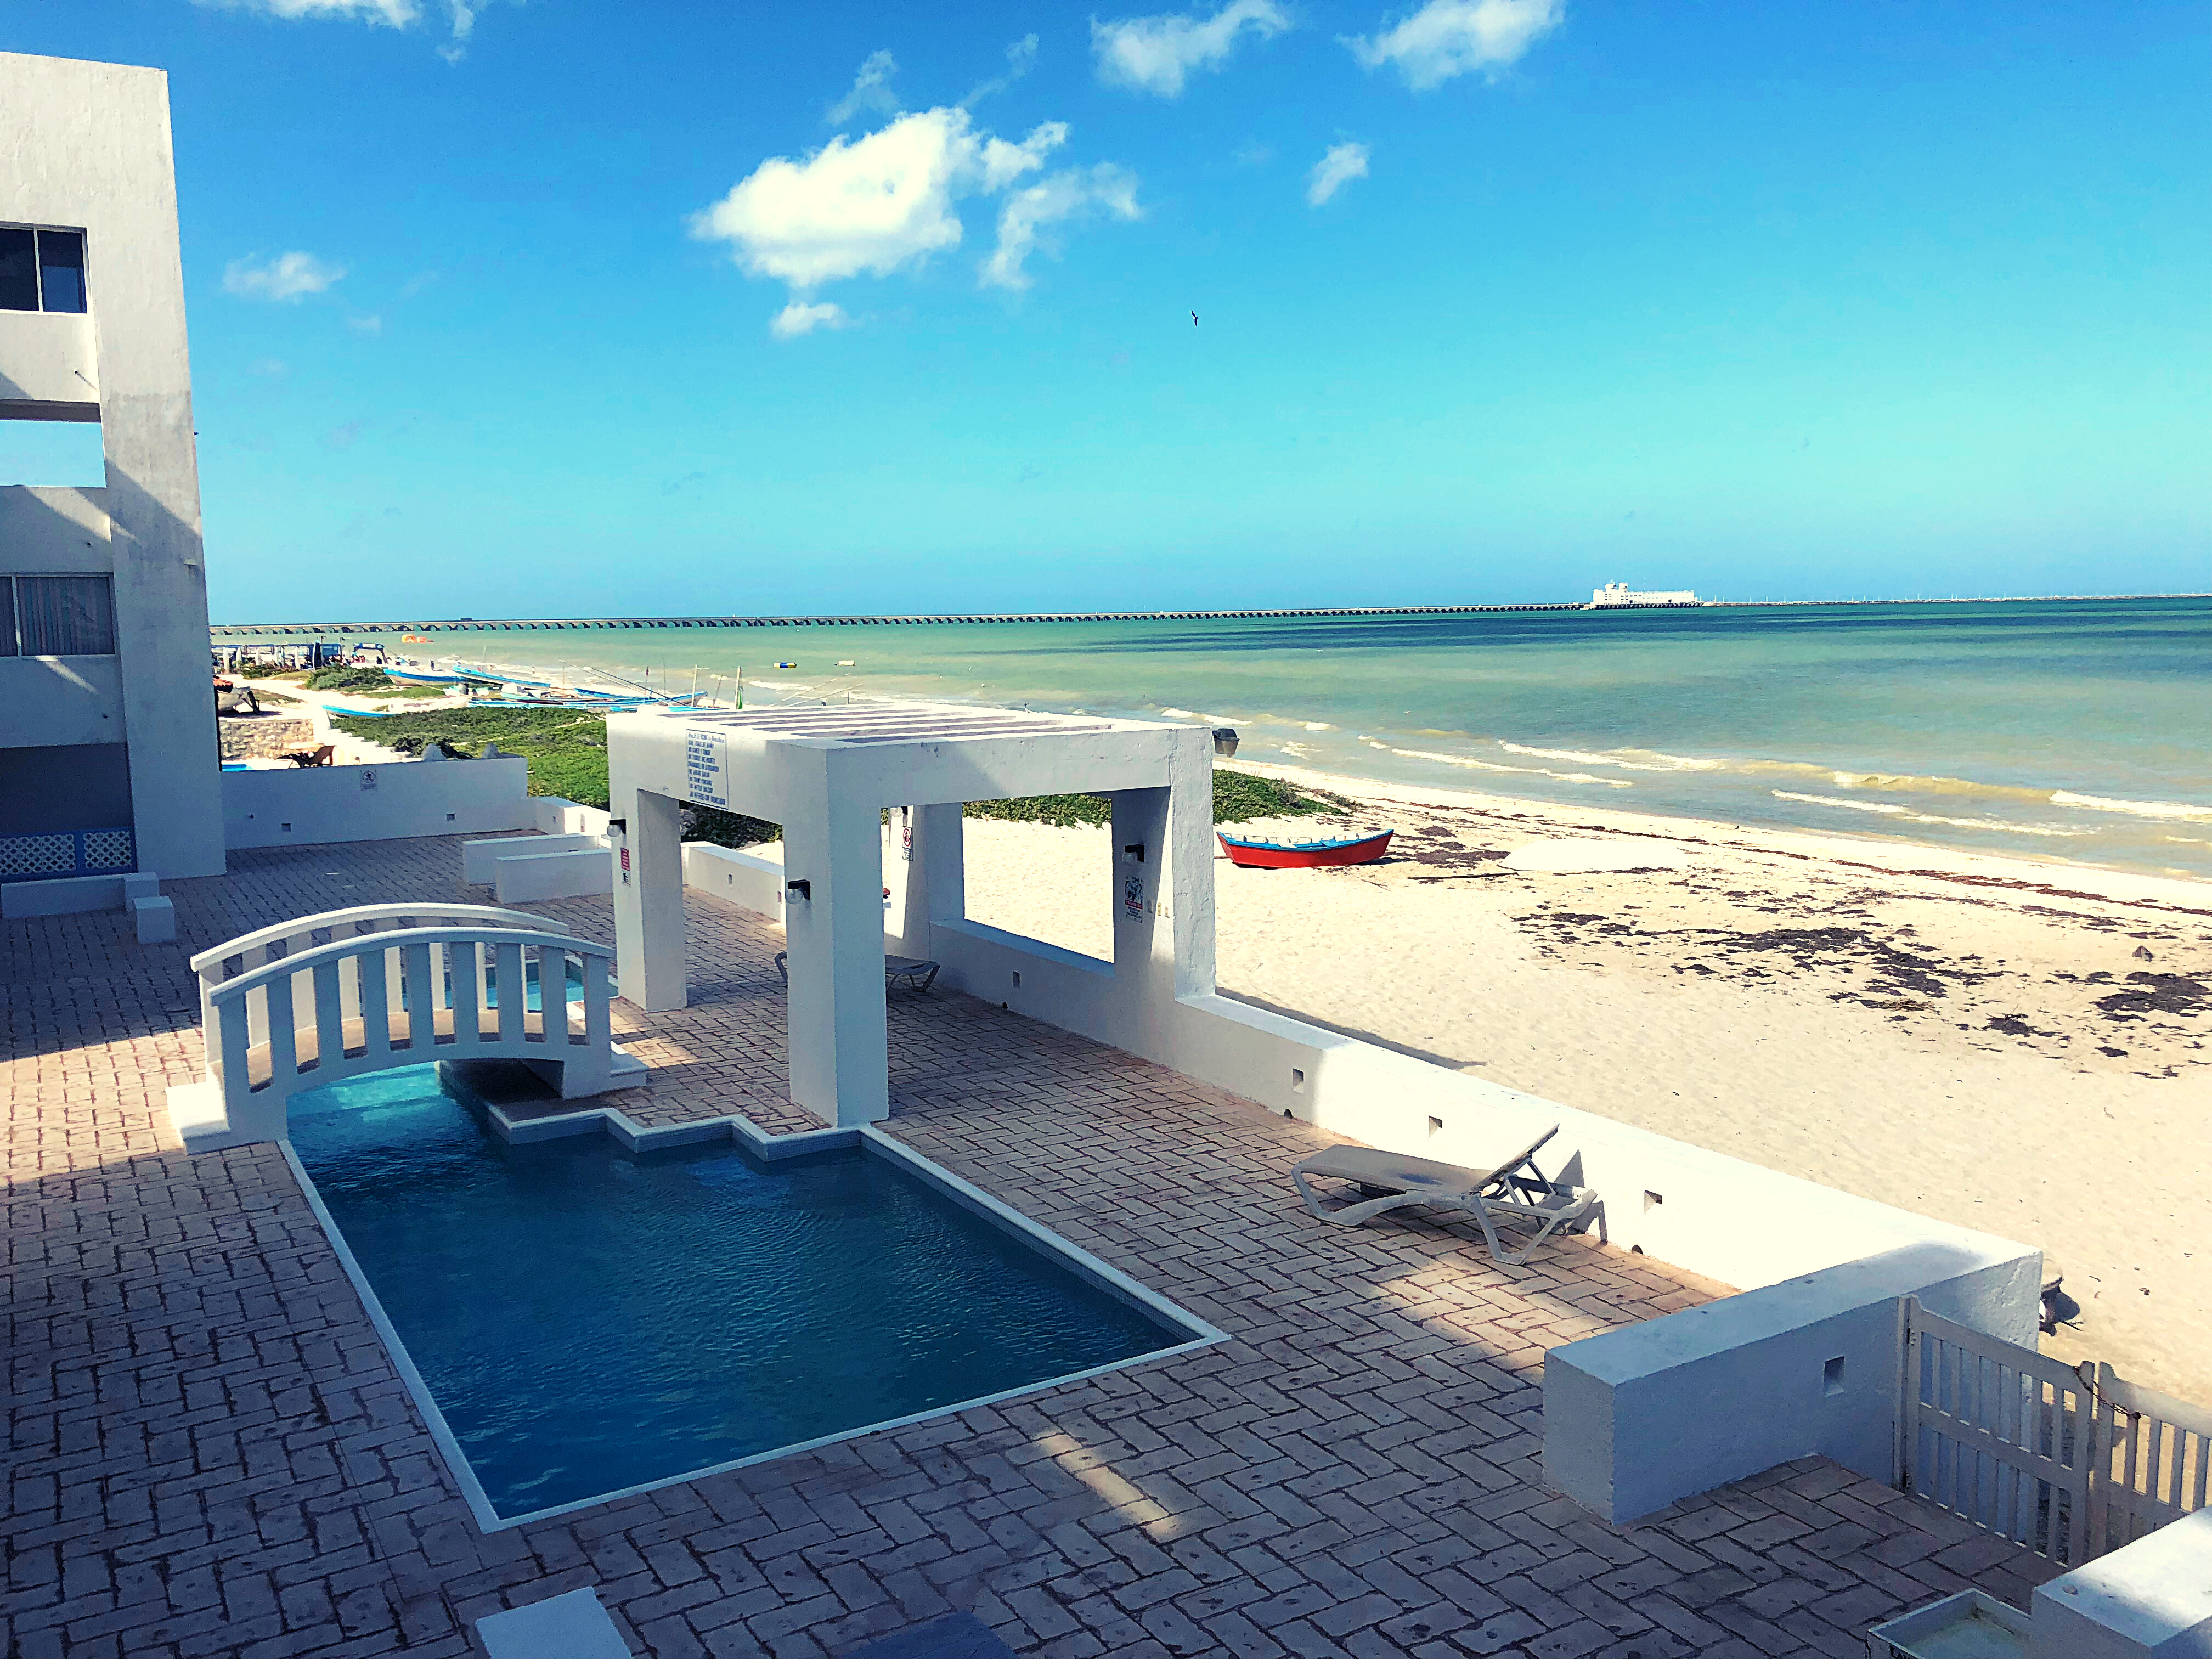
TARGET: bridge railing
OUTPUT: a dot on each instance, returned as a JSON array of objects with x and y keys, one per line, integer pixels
[
  {"x": 286, "y": 940},
  {"x": 378, "y": 1000}
]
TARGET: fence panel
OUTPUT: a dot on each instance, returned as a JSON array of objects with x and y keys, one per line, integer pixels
[
  {"x": 2155, "y": 1464},
  {"x": 2000, "y": 1436}
]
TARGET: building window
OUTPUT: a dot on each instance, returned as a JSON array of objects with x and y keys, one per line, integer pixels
[
  {"x": 57, "y": 615},
  {"x": 41, "y": 270}
]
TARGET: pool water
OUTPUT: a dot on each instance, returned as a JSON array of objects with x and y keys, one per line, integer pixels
[{"x": 590, "y": 1321}]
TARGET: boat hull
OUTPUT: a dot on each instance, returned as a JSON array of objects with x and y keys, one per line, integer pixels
[{"x": 1313, "y": 855}]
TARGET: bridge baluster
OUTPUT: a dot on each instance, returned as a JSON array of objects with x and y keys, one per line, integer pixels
[
  {"x": 330, "y": 1018},
  {"x": 465, "y": 972},
  {"x": 596, "y": 1035},
  {"x": 378, "y": 975},
  {"x": 283, "y": 1044},
  {"x": 420, "y": 998},
  {"x": 508, "y": 971}
]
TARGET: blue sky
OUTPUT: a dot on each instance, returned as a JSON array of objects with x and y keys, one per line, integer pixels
[{"x": 566, "y": 306}]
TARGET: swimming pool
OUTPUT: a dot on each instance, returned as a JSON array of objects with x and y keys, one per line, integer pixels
[{"x": 586, "y": 1322}]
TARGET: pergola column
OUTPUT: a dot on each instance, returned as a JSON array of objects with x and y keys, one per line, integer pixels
[
  {"x": 932, "y": 881},
  {"x": 1164, "y": 899},
  {"x": 649, "y": 898},
  {"x": 834, "y": 941}
]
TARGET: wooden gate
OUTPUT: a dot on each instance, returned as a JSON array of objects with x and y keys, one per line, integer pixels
[{"x": 2067, "y": 1465}]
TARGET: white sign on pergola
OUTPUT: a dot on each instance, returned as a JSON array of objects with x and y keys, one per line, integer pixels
[{"x": 826, "y": 774}]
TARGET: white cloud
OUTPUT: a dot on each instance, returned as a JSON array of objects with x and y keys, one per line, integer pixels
[
  {"x": 797, "y": 319},
  {"x": 872, "y": 93},
  {"x": 287, "y": 276},
  {"x": 1449, "y": 38},
  {"x": 398, "y": 14},
  {"x": 372, "y": 324},
  {"x": 1021, "y": 59},
  {"x": 1343, "y": 163},
  {"x": 1050, "y": 200},
  {"x": 1155, "y": 54},
  {"x": 392, "y": 13},
  {"x": 867, "y": 205}
]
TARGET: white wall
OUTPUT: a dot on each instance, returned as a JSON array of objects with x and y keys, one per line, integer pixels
[
  {"x": 1707, "y": 1204},
  {"x": 576, "y": 873},
  {"x": 1638, "y": 1417},
  {"x": 87, "y": 144},
  {"x": 317, "y": 803},
  {"x": 47, "y": 357},
  {"x": 61, "y": 700},
  {"x": 749, "y": 879},
  {"x": 2152, "y": 1600},
  {"x": 480, "y": 858}
]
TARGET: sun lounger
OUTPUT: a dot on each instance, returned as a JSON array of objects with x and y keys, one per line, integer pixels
[
  {"x": 319, "y": 756},
  {"x": 1513, "y": 1190},
  {"x": 916, "y": 973}
]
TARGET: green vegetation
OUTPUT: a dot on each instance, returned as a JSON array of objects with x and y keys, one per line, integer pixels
[
  {"x": 727, "y": 828},
  {"x": 567, "y": 750},
  {"x": 568, "y": 755},
  {"x": 258, "y": 671},
  {"x": 369, "y": 682},
  {"x": 338, "y": 677},
  {"x": 1238, "y": 798}
]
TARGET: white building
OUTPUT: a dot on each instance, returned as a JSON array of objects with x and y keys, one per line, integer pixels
[
  {"x": 107, "y": 745},
  {"x": 1621, "y": 593}
]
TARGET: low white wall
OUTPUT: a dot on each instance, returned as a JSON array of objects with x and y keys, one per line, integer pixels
[
  {"x": 574, "y": 873},
  {"x": 2152, "y": 1600},
  {"x": 384, "y": 802},
  {"x": 1715, "y": 1215},
  {"x": 744, "y": 879},
  {"x": 64, "y": 896},
  {"x": 556, "y": 815},
  {"x": 480, "y": 858},
  {"x": 1638, "y": 1417}
]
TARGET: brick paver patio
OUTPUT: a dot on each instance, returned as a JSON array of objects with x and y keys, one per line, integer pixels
[{"x": 214, "y": 1455}]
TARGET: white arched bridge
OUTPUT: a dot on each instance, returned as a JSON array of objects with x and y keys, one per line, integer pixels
[{"x": 306, "y": 1004}]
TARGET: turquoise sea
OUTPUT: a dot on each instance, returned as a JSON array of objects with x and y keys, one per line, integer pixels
[{"x": 2079, "y": 729}]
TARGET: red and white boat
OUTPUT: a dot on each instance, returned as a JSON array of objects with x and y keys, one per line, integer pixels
[{"x": 1304, "y": 855}]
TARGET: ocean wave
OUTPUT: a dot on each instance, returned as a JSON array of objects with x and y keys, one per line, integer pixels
[
  {"x": 1830, "y": 800},
  {"x": 1492, "y": 766},
  {"x": 2142, "y": 808},
  {"x": 1180, "y": 714},
  {"x": 1890, "y": 808},
  {"x": 1660, "y": 764}
]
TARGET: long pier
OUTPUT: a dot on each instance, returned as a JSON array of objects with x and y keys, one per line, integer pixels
[
  {"x": 520, "y": 625},
  {"x": 472, "y": 625}
]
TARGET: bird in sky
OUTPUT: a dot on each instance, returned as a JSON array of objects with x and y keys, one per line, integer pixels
[{"x": 1193, "y": 319}]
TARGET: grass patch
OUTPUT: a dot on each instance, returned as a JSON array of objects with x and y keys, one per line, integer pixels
[
  {"x": 566, "y": 751},
  {"x": 1238, "y": 798},
  {"x": 367, "y": 682}
]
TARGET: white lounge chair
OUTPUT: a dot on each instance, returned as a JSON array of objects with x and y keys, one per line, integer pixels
[{"x": 1513, "y": 1190}]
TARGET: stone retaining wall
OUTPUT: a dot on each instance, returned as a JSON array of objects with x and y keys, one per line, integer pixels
[{"x": 264, "y": 739}]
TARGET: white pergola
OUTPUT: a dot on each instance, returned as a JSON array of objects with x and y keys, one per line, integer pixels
[{"x": 827, "y": 774}]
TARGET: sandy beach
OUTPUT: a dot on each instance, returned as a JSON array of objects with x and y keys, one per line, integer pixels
[{"x": 2014, "y": 1045}]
